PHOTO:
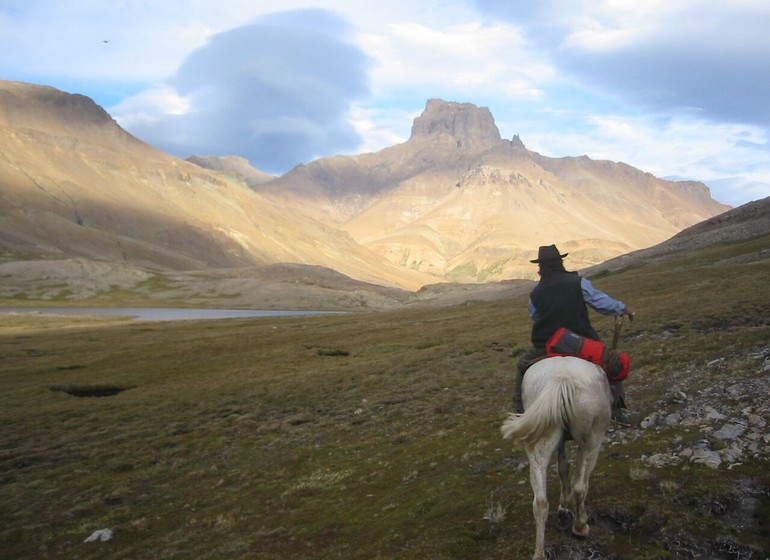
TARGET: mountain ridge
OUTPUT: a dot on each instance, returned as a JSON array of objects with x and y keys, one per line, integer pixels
[
  {"x": 459, "y": 202},
  {"x": 82, "y": 187},
  {"x": 455, "y": 203}
]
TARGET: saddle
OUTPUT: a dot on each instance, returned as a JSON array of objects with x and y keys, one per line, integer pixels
[{"x": 564, "y": 342}]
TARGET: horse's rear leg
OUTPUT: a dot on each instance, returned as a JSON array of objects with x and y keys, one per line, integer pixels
[
  {"x": 538, "y": 465},
  {"x": 584, "y": 466},
  {"x": 565, "y": 508},
  {"x": 539, "y": 456},
  {"x": 565, "y": 494}
]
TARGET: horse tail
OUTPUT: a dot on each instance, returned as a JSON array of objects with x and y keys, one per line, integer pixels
[{"x": 553, "y": 408}]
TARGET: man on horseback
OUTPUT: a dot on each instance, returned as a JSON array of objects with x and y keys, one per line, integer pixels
[{"x": 561, "y": 299}]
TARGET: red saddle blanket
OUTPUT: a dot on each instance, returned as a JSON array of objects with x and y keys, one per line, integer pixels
[{"x": 564, "y": 342}]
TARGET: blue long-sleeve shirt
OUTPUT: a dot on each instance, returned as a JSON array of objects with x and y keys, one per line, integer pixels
[{"x": 594, "y": 298}]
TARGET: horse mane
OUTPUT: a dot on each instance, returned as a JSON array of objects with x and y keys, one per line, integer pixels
[{"x": 553, "y": 406}]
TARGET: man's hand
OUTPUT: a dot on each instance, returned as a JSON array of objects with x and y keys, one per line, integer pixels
[{"x": 627, "y": 311}]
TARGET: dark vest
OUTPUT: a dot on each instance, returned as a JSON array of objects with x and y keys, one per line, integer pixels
[{"x": 558, "y": 299}]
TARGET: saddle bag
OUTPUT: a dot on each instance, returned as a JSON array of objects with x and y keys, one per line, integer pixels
[{"x": 564, "y": 342}]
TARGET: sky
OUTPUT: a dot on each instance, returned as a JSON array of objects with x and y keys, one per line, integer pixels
[{"x": 677, "y": 89}]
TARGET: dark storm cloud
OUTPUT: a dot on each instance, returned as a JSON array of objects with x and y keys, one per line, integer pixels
[
  {"x": 710, "y": 60},
  {"x": 276, "y": 92}
]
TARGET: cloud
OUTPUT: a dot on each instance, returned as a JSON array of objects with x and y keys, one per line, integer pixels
[
  {"x": 381, "y": 127},
  {"x": 277, "y": 92},
  {"x": 738, "y": 190},
  {"x": 674, "y": 88},
  {"x": 718, "y": 69},
  {"x": 64, "y": 42},
  {"x": 485, "y": 63},
  {"x": 471, "y": 59},
  {"x": 684, "y": 148},
  {"x": 708, "y": 58}
]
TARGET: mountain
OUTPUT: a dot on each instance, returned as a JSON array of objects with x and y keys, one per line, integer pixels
[
  {"x": 460, "y": 203},
  {"x": 233, "y": 166},
  {"x": 455, "y": 203},
  {"x": 745, "y": 223},
  {"x": 73, "y": 184}
]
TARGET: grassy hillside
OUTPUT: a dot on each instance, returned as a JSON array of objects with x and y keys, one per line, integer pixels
[{"x": 376, "y": 435}]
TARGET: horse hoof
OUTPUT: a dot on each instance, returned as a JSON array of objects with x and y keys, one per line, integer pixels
[
  {"x": 582, "y": 532},
  {"x": 563, "y": 518}
]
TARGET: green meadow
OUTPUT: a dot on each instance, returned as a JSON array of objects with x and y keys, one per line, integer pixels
[{"x": 373, "y": 435}]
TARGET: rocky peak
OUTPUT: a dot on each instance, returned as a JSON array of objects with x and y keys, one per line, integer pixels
[
  {"x": 517, "y": 144},
  {"x": 468, "y": 125}
]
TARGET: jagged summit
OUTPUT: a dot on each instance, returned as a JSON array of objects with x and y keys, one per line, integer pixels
[
  {"x": 448, "y": 138},
  {"x": 467, "y": 124},
  {"x": 517, "y": 144}
]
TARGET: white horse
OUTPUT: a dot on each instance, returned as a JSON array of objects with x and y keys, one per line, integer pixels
[{"x": 561, "y": 395}]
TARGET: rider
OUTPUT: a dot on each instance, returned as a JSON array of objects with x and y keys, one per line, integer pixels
[{"x": 560, "y": 299}]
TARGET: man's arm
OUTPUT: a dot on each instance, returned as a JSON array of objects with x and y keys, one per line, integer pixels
[
  {"x": 532, "y": 310},
  {"x": 601, "y": 302}
]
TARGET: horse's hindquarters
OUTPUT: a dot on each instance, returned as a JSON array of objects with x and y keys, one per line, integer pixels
[{"x": 561, "y": 393}]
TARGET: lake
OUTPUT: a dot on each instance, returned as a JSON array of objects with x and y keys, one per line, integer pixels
[{"x": 165, "y": 313}]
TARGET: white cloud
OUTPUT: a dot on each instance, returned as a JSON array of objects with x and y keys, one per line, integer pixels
[
  {"x": 614, "y": 24},
  {"x": 738, "y": 190},
  {"x": 143, "y": 42},
  {"x": 466, "y": 59},
  {"x": 380, "y": 127},
  {"x": 677, "y": 146},
  {"x": 149, "y": 106}
]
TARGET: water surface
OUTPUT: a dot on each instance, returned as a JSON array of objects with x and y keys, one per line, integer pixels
[{"x": 164, "y": 313}]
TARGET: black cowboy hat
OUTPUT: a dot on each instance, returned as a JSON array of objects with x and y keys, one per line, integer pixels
[{"x": 548, "y": 253}]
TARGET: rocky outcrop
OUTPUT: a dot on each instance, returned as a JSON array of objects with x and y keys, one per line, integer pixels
[
  {"x": 462, "y": 124},
  {"x": 458, "y": 202}
]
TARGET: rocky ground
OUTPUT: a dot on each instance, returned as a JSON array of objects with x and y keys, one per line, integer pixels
[
  {"x": 728, "y": 419},
  {"x": 716, "y": 415}
]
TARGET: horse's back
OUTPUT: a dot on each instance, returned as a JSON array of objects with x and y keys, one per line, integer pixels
[
  {"x": 582, "y": 374},
  {"x": 585, "y": 389}
]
